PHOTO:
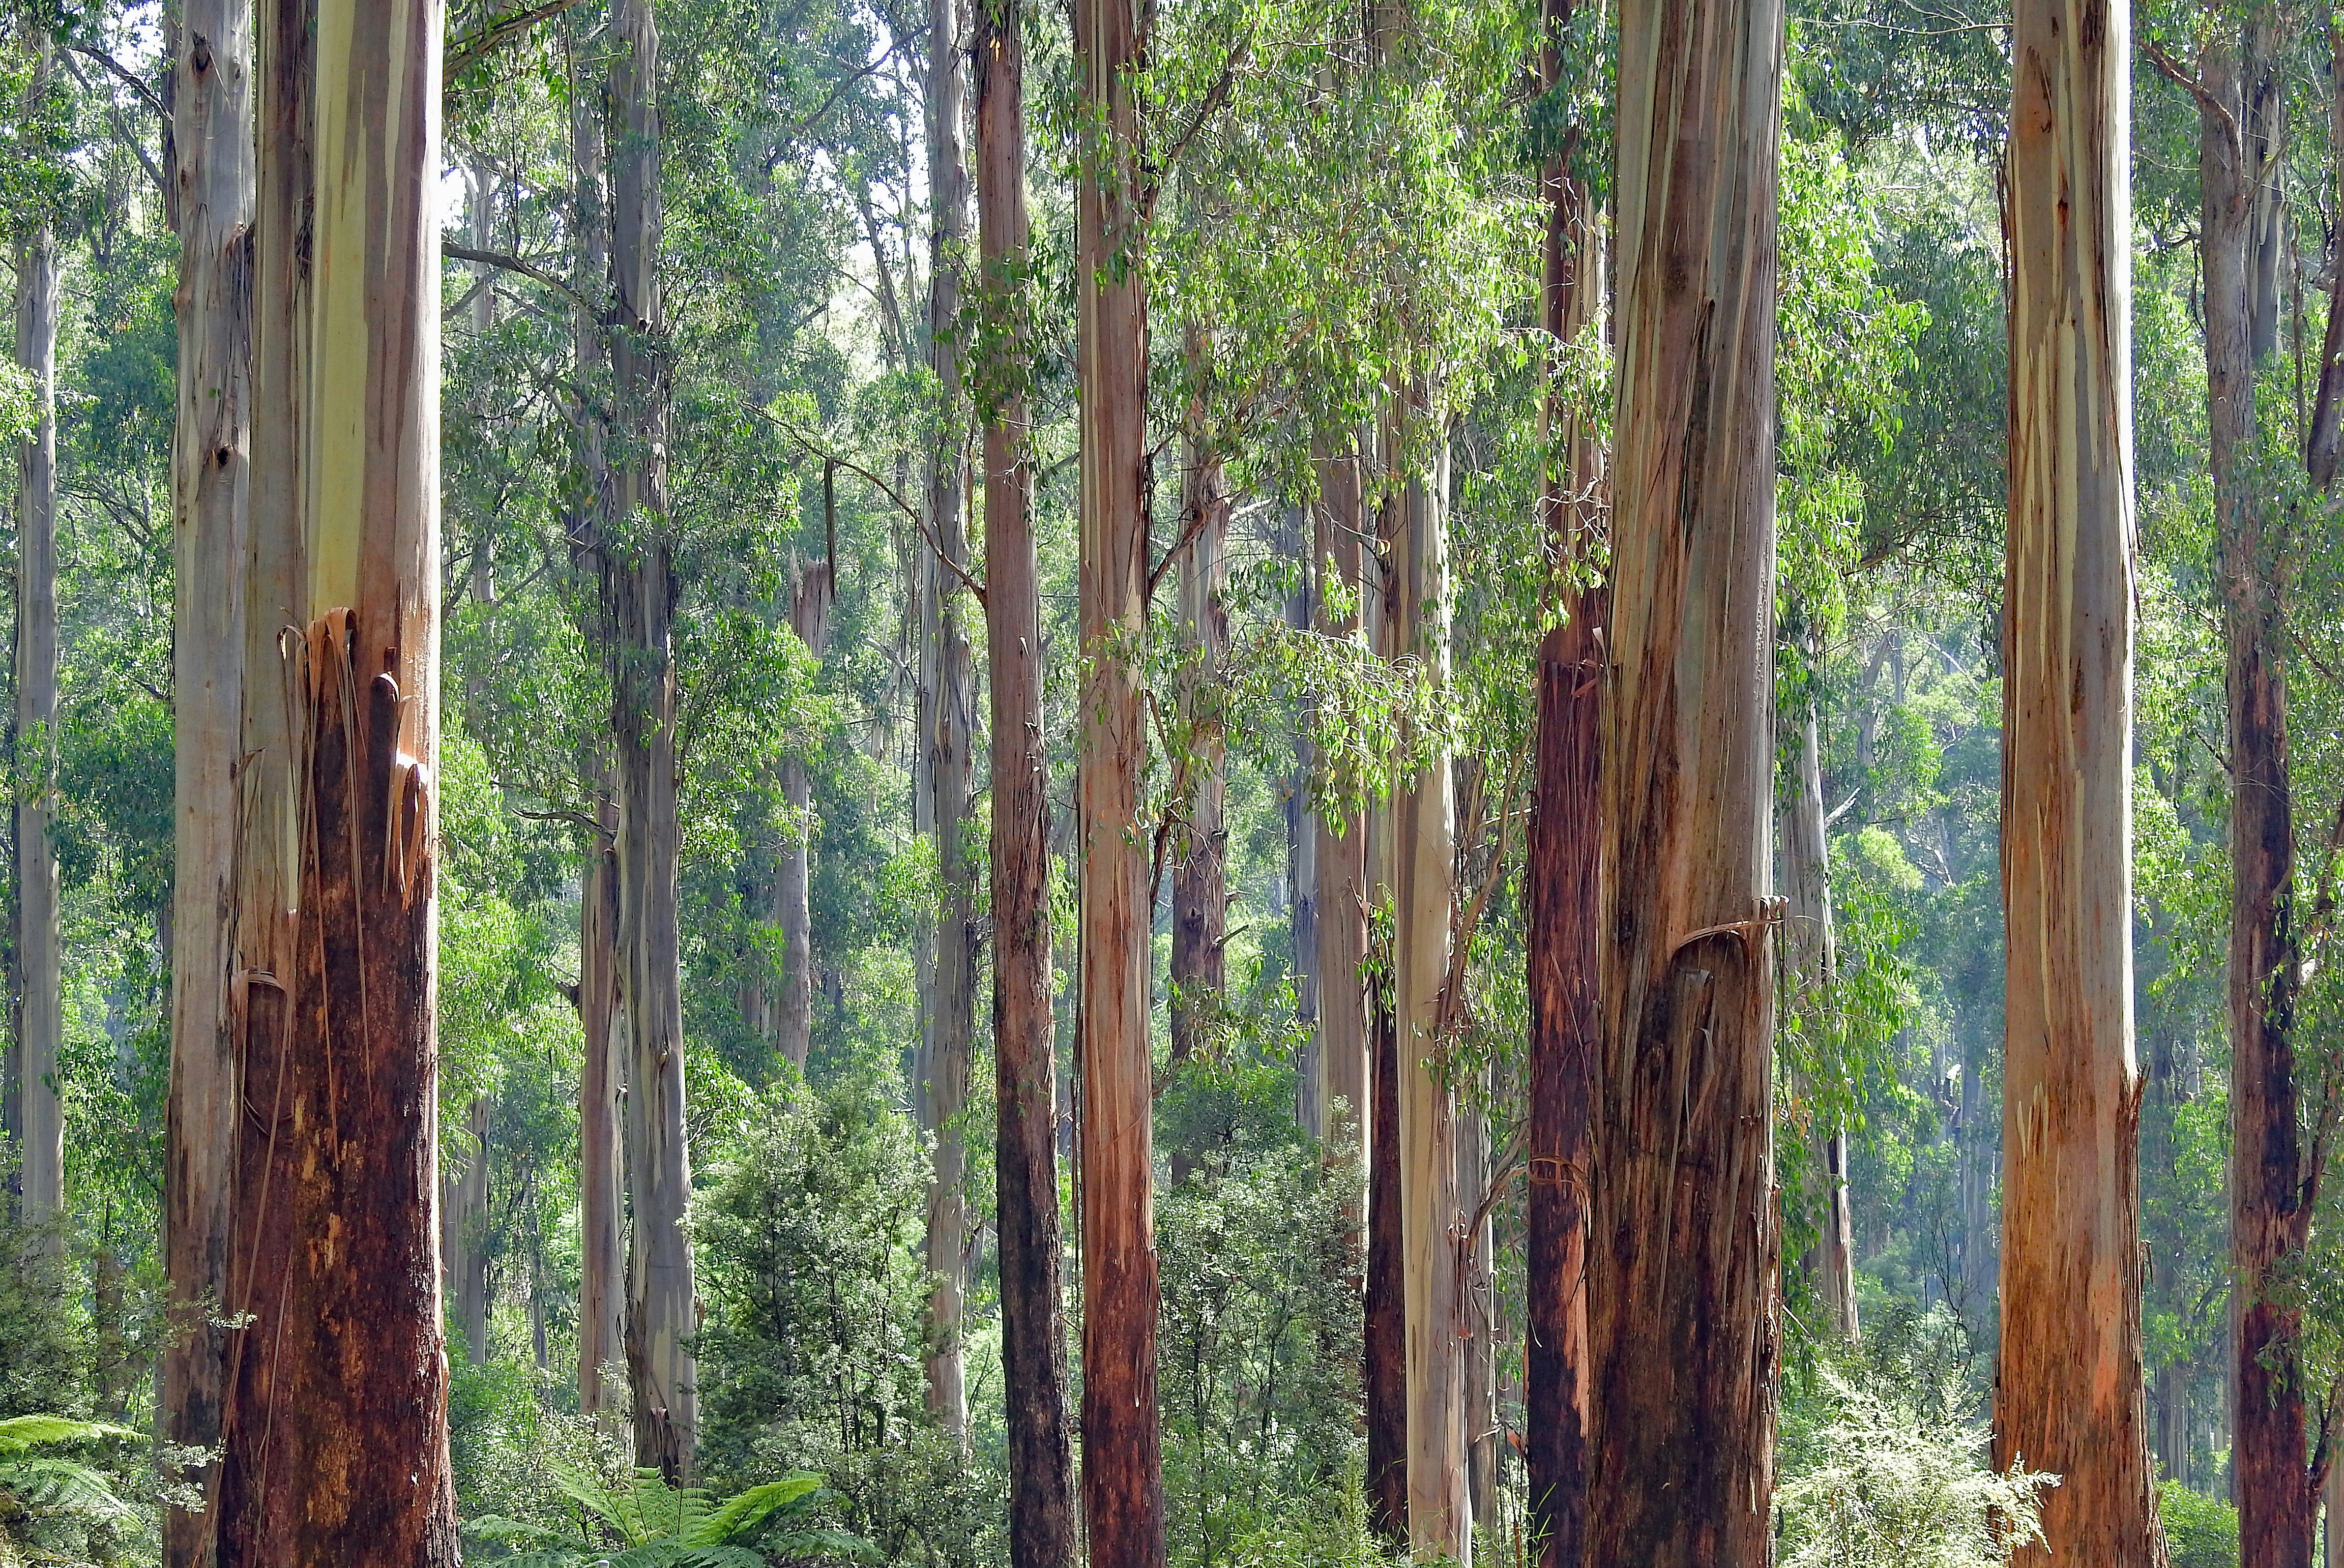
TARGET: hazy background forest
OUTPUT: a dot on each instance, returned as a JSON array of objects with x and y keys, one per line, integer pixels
[{"x": 1328, "y": 213}]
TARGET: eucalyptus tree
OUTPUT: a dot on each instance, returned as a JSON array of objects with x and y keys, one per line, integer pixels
[
  {"x": 1681, "y": 1281},
  {"x": 336, "y": 1445}
]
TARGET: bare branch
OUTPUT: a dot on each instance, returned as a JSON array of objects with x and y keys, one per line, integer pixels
[
  {"x": 145, "y": 93},
  {"x": 521, "y": 264},
  {"x": 468, "y": 50}
]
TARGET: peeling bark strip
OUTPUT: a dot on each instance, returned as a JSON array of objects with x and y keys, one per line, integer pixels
[
  {"x": 335, "y": 1443},
  {"x": 1683, "y": 1335},
  {"x": 212, "y": 137},
  {"x": 1123, "y": 1482},
  {"x": 1032, "y": 1316},
  {"x": 2068, "y": 1396},
  {"x": 1560, "y": 895}
]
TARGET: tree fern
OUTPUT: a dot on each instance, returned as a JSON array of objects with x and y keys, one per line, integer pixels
[{"x": 649, "y": 1524}]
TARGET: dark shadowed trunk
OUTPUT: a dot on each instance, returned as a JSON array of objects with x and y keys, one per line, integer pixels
[
  {"x": 1385, "y": 1342},
  {"x": 1199, "y": 881}
]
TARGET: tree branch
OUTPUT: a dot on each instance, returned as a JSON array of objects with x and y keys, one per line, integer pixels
[
  {"x": 2172, "y": 71},
  {"x": 515, "y": 264},
  {"x": 473, "y": 47},
  {"x": 976, "y": 589},
  {"x": 145, "y": 93}
]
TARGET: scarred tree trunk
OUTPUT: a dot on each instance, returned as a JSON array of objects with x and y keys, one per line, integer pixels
[
  {"x": 2068, "y": 1395},
  {"x": 1810, "y": 946},
  {"x": 636, "y": 556},
  {"x": 1026, "y": 1165},
  {"x": 1684, "y": 1341},
  {"x": 336, "y": 1441},
  {"x": 210, "y": 458},
  {"x": 40, "y": 1004},
  {"x": 1123, "y": 1482},
  {"x": 1559, "y": 895},
  {"x": 1424, "y": 881}
]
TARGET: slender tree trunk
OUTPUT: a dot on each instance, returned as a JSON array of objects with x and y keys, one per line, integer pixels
[
  {"x": 2321, "y": 441},
  {"x": 1123, "y": 1480},
  {"x": 639, "y": 598},
  {"x": 952, "y": 743},
  {"x": 2270, "y": 1208},
  {"x": 601, "y": 1184},
  {"x": 1439, "y": 1509},
  {"x": 1561, "y": 896},
  {"x": 1478, "y": 1333},
  {"x": 793, "y": 913},
  {"x": 469, "y": 1267},
  {"x": 1339, "y": 865},
  {"x": 336, "y": 1445},
  {"x": 1199, "y": 875},
  {"x": 1812, "y": 950},
  {"x": 1302, "y": 860},
  {"x": 40, "y": 1006},
  {"x": 1684, "y": 1344},
  {"x": 1025, "y": 1164},
  {"x": 210, "y": 472},
  {"x": 2069, "y": 1393}
]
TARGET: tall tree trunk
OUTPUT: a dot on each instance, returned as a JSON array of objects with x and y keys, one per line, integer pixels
[
  {"x": 1199, "y": 875},
  {"x": 2069, "y": 1393},
  {"x": 601, "y": 1176},
  {"x": 2321, "y": 440},
  {"x": 639, "y": 598},
  {"x": 1559, "y": 892},
  {"x": 1338, "y": 864},
  {"x": 335, "y": 1444},
  {"x": 1981, "y": 1226},
  {"x": 40, "y": 1004},
  {"x": 1123, "y": 1480},
  {"x": 811, "y": 597},
  {"x": 210, "y": 472},
  {"x": 952, "y": 743},
  {"x": 1385, "y": 1332},
  {"x": 1301, "y": 858},
  {"x": 1684, "y": 1344},
  {"x": 1025, "y": 1161},
  {"x": 1477, "y": 1314},
  {"x": 1439, "y": 1509},
  {"x": 468, "y": 1266},
  {"x": 1812, "y": 950},
  {"x": 2270, "y": 1190}
]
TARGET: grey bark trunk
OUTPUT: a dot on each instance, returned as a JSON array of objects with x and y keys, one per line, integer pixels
[
  {"x": 1338, "y": 864},
  {"x": 793, "y": 909}
]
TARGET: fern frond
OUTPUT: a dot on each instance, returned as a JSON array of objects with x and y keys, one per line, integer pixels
[
  {"x": 19, "y": 1433},
  {"x": 822, "y": 1545},
  {"x": 746, "y": 1511},
  {"x": 61, "y": 1486}
]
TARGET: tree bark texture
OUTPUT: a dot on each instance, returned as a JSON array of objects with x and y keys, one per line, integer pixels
[
  {"x": 210, "y": 472},
  {"x": 1440, "y": 1508},
  {"x": 40, "y": 1005},
  {"x": 952, "y": 741},
  {"x": 2068, "y": 1393},
  {"x": 335, "y": 1440},
  {"x": 1025, "y": 1164},
  {"x": 1683, "y": 1338},
  {"x": 2270, "y": 1190},
  {"x": 639, "y": 599},
  {"x": 1811, "y": 945},
  {"x": 1561, "y": 905},
  {"x": 1123, "y": 1480}
]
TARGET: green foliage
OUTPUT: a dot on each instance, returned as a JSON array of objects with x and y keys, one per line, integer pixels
[
  {"x": 2200, "y": 1532},
  {"x": 641, "y": 1522}
]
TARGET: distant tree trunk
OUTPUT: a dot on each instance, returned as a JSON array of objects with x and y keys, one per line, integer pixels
[
  {"x": 1301, "y": 862},
  {"x": 40, "y": 1004},
  {"x": 2321, "y": 441},
  {"x": 602, "y": 1178},
  {"x": 811, "y": 597},
  {"x": 1812, "y": 950},
  {"x": 2270, "y": 1190},
  {"x": 467, "y": 1265},
  {"x": 1477, "y": 1314},
  {"x": 1439, "y": 1509},
  {"x": 1559, "y": 895},
  {"x": 1683, "y": 1340},
  {"x": 1199, "y": 875},
  {"x": 636, "y": 556},
  {"x": 2069, "y": 1393},
  {"x": 1981, "y": 1226},
  {"x": 1339, "y": 864},
  {"x": 1026, "y": 1165},
  {"x": 336, "y": 1442},
  {"x": 952, "y": 743},
  {"x": 210, "y": 474},
  {"x": 1123, "y": 1480}
]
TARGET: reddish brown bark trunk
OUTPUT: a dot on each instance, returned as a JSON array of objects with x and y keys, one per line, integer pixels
[
  {"x": 1684, "y": 1341},
  {"x": 1123, "y": 1482},
  {"x": 1561, "y": 893},
  {"x": 1033, "y": 1314}
]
